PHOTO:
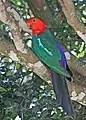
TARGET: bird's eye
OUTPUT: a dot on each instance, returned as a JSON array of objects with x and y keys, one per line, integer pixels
[{"x": 34, "y": 20}]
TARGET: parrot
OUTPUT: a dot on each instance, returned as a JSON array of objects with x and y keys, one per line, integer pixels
[{"x": 51, "y": 53}]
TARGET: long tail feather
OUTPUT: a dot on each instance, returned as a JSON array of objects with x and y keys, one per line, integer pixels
[{"x": 61, "y": 92}]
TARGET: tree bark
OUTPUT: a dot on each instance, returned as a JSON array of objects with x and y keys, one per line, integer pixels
[{"x": 70, "y": 14}]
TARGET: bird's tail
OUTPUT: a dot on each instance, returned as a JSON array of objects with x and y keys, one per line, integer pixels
[{"x": 61, "y": 92}]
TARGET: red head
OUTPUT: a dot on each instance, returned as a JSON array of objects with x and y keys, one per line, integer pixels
[{"x": 36, "y": 25}]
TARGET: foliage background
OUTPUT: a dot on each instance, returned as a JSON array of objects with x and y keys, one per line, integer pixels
[{"x": 23, "y": 93}]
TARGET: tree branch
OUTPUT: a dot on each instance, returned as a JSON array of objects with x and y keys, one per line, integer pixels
[
  {"x": 7, "y": 15},
  {"x": 69, "y": 11}
]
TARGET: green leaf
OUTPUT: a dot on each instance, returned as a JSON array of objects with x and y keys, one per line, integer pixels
[
  {"x": 2, "y": 89},
  {"x": 68, "y": 117},
  {"x": 17, "y": 65}
]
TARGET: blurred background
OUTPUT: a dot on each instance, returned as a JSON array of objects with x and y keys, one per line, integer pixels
[{"x": 23, "y": 94}]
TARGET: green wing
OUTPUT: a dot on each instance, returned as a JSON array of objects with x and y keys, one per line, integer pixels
[{"x": 45, "y": 48}]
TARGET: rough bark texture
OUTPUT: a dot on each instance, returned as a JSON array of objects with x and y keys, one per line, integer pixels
[
  {"x": 18, "y": 52},
  {"x": 69, "y": 11}
]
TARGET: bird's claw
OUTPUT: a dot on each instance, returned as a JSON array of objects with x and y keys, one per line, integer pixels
[{"x": 31, "y": 66}]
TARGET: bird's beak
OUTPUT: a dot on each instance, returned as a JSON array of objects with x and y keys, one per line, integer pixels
[
  {"x": 29, "y": 29},
  {"x": 28, "y": 24}
]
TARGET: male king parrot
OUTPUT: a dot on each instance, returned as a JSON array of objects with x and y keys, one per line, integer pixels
[{"x": 45, "y": 46}]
